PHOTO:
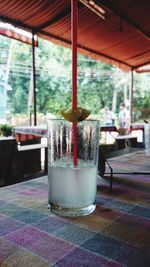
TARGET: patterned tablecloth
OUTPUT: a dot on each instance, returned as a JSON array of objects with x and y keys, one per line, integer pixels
[
  {"x": 108, "y": 128},
  {"x": 25, "y": 133},
  {"x": 115, "y": 235},
  {"x": 33, "y": 130},
  {"x": 137, "y": 126},
  {"x": 42, "y": 130}
]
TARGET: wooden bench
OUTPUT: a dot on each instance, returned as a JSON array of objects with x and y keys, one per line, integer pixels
[
  {"x": 31, "y": 147},
  {"x": 126, "y": 140}
]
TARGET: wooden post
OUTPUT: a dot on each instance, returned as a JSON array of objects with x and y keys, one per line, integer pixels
[
  {"x": 34, "y": 79},
  {"x": 8, "y": 67},
  {"x": 131, "y": 97}
]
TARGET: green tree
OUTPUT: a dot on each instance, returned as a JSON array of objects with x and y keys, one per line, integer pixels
[{"x": 97, "y": 81}]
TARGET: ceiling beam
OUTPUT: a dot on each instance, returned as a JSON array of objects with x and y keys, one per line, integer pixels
[
  {"x": 142, "y": 65},
  {"x": 123, "y": 15},
  {"x": 17, "y": 23},
  {"x": 138, "y": 55}
]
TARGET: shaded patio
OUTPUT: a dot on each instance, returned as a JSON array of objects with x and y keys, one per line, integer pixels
[{"x": 117, "y": 233}]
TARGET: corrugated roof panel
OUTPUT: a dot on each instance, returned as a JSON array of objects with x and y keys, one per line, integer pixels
[{"x": 120, "y": 39}]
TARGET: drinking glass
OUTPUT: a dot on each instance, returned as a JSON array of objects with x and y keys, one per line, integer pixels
[{"x": 72, "y": 187}]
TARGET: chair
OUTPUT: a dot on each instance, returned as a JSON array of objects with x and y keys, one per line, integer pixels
[{"x": 102, "y": 161}]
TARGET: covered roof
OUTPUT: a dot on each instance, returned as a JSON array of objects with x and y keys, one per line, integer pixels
[{"x": 122, "y": 38}]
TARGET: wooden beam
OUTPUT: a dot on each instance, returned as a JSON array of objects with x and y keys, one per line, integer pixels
[
  {"x": 142, "y": 65},
  {"x": 131, "y": 98},
  {"x": 34, "y": 79},
  {"x": 17, "y": 23}
]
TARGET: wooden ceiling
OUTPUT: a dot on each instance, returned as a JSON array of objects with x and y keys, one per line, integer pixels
[{"x": 121, "y": 39}]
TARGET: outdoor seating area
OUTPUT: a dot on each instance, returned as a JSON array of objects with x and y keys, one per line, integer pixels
[
  {"x": 26, "y": 152},
  {"x": 75, "y": 133}
]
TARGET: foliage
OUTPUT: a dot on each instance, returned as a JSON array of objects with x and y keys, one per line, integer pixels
[
  {"x": 97, "y": 82},
  {"x": 5, "y": 130}
]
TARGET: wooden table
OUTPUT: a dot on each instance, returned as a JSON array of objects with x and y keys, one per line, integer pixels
[{"x": 29, "y": 148}]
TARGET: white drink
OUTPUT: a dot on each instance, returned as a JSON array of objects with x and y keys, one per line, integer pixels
[{"x": 71, "y": 187}]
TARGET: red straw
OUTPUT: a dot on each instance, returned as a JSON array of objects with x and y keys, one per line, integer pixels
[{"x": 74, "y": 19}]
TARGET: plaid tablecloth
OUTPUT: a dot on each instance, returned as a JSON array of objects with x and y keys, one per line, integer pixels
[
  {"x": 23, "y": 133},
  {"x": 35, "y": 130},
  {"x": 116, "y": 234}
]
